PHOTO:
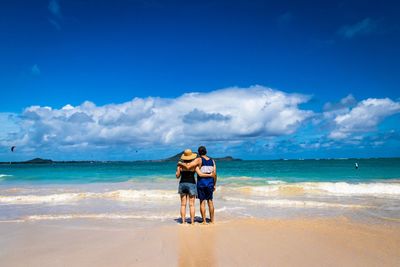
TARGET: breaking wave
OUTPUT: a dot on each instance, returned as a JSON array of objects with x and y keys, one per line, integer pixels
[
  {"x": 276, "y": 189},
  {"x": 285, "y": 203},
  {"x": 326, "y": 188},
  {"x": 4, "y": 176},
  {"x": 343, "y": 188},
  {"x": 119, "y": 195}
]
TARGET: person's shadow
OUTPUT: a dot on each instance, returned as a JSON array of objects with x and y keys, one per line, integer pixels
[{"x": 197, "y": 219}]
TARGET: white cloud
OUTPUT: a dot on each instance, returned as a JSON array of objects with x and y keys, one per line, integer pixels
[
  {"x": 54, "y": 8},
  {"x": 364, "y": 117},
  {"x": 363, "y": 27},
  {"x": 55, "y": 12},
  {"x": 344, "y": 103},
  {"x": 55, "y": 24},
  {"x": 35, "y": 70},
  {"x": 333, "y": 109},
  {"x": 222, "y": 115},
  {"x": 257, "y": 120}
]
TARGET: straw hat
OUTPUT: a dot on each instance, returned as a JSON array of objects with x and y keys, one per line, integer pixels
[{"x": 188, "y": 155}]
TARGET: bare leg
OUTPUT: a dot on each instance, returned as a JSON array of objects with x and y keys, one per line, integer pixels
[
  {"x": 183, "y": 208},
  {"x": 211, "y": 209},
  {"x": 203, "y": 210},
  {"x": 191, "y": 205}
]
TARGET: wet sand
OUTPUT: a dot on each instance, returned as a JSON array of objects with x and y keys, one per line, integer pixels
[{"x": 248, "y": 242}]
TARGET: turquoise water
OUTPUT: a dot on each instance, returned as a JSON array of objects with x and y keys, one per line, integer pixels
[
  {"x": 148, "y": 190},
  {"x": 284, "y": 170}
]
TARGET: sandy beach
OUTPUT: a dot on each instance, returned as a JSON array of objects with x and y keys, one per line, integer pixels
[
  {"x": 245, "y": 242},
  {"x": 279, "y": 121}
]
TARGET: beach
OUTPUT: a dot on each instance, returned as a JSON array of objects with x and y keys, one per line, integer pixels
[
  {"x": 268, "y": 213},
  {"x": 245, "y": 242},
  {"x": 283, "y": 115}
]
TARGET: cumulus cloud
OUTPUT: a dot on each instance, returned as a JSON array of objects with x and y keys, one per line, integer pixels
[
  {"x": 222, "y": 115},
  {"x": 197, "y": 115},
  {"x": 344, "y": 103},
  {"x": 363, "y": 27},
  {"x": 35, "y": 70},
  {"x": 333, "y": 109},
  {"x": 55, "y": 12},
  {"x": 257, "y": 119},
  {"x": 364, "y": 117}
]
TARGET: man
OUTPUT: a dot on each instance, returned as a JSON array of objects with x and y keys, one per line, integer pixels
[{"x": 205, "y": 185}]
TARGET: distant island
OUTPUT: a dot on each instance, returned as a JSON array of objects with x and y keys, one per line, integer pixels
[
  {"x": 177, "y": 157},
  {"x": 32, "y": 161},
  {"x": 38, "y": 161},
  {"x": 174, "y": 158}
]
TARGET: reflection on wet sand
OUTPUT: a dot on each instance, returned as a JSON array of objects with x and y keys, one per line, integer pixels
[{"x": 197, "y": 245}]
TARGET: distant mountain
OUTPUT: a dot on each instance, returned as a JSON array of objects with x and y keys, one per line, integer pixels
[
  {"x": 38, "y": 161},
  {"x": 174, "y": 158},
  {"x": 177, "y": 157},
  {"x": 227, "y": 158},
  {"x": 32, "y": 161}
]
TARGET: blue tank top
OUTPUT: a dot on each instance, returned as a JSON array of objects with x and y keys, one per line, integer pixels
[{"x": 207, "y": 166}]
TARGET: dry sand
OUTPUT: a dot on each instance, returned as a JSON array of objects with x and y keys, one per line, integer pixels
[{"x": 251, "y": 242}]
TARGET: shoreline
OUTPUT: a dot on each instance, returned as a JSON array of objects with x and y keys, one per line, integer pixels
[
  {"x": 160, "y": 201},
  {"x": 252, "y": 242}
]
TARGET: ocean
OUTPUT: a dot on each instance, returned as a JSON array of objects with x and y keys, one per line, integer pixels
[{"x": 147, "y": 191}]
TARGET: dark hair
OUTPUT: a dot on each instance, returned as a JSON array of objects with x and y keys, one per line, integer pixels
[{"x": 202, "y": 150}]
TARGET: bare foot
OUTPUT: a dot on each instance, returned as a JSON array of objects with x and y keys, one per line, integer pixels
[{"x": 204, "y": 223}]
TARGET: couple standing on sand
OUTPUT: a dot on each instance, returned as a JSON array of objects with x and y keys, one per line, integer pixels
[{"x": 206, "y": 171}]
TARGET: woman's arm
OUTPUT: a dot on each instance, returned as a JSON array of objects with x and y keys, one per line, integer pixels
[
  {"x": 201, "y": 174},
  {"x": 178, "y": 172},
  {"x": 215, "y": 175}
]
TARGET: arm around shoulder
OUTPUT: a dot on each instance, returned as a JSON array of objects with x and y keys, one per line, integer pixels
[
  {"x": 215, "y": 174},
  {"x": 201, "y": 174},
  {"x": 178, "y": 172}
]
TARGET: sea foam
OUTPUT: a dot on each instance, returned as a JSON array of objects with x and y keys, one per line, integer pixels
[
  {"x": 325, "y": 188},
  {"x": 113, "y": 216},
  {"x": 118, "y": 195},
  {"x": 36, "y": 199},
  {"x": 368, "y": 189},
  {"x": 286, "y": 203}
]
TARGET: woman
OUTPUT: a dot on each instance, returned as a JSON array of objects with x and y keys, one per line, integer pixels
[{"x": 187, "y": 184}]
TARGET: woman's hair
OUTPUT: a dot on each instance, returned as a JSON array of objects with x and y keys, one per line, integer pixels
[{"x": 202, "y": 150}]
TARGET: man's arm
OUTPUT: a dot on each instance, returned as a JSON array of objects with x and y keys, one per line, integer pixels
[{"x": 191, "y": 165}]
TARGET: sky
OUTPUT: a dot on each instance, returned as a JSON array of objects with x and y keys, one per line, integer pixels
[{"x": 145, "y": 79}]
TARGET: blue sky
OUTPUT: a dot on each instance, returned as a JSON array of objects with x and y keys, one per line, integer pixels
[{"x": 327, "y": 71}]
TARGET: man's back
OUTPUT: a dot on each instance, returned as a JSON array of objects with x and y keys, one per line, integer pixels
[{"x": 207, "y": 164}]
